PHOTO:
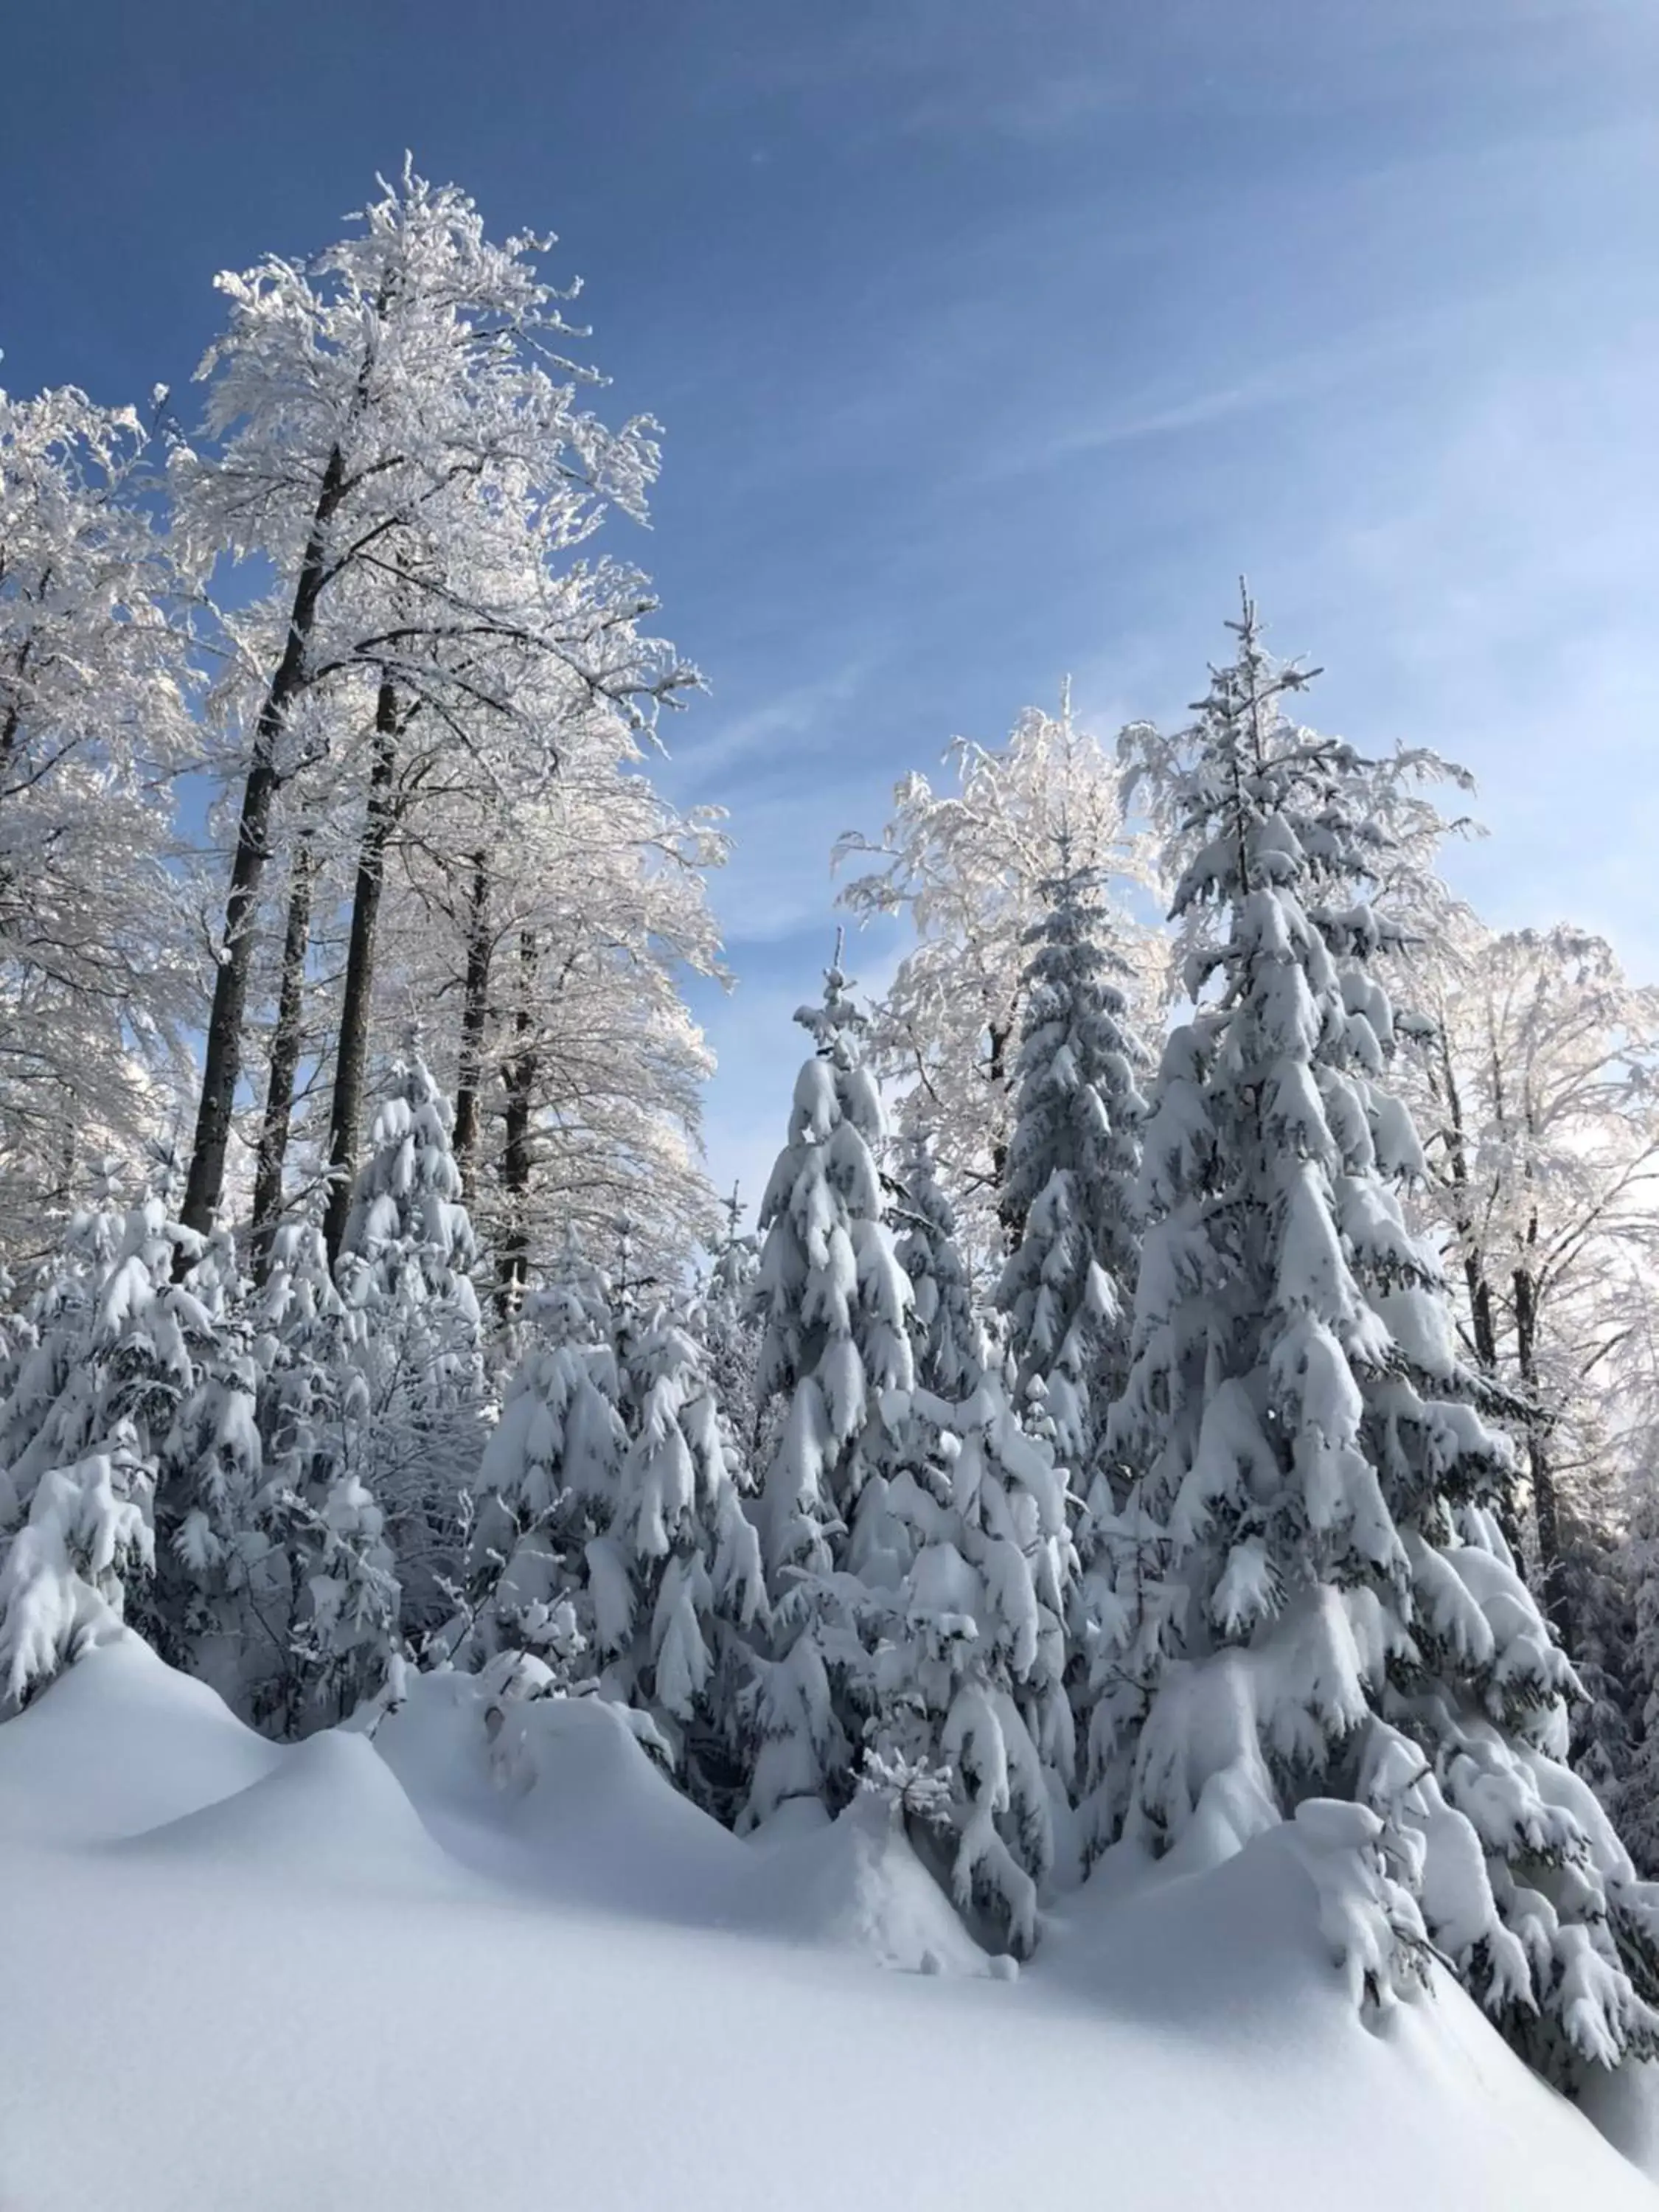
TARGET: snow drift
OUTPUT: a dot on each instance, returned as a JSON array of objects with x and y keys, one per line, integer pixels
[{"x": 389, "y": 1976}]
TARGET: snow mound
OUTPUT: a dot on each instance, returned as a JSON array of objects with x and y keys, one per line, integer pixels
[
  {"x": 854, "y": 1884},
  {"x": 331, "y": 1809},
  {"x": 1233, "y": 1948},
  {"x": 417, "y": 2019},
  {"x": 120, "y": 1743},
  {"x": 557, "y": 1794}
]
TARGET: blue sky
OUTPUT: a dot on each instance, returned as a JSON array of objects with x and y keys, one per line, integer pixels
[{"x": 993, "y": 338}]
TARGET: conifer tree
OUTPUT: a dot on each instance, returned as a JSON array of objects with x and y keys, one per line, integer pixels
[
  {"x": 548, "y": 1474},
  {"x": 947, "y": 1335},
  {"x": 97, "y": 1439},
  {"x": 1638, "y": 1796},
  {"x": 337, "y": 1620},
  {"x": 1344, "y": 1619},
  {"x": 404, "y": 1275},
  {"x": 966, "y": 863},
  {"x": 674, "y": 1581},
  {"x": 63, "y": 1574},
  {"x": 209, "y": 1610},
  {"x": 1072, "y": 1162},
  {"x": 969, "y": 1693},
  {"x": 610, "y": 1543},
  {"x": 835, "y": 1304},
  {"x": 726, "y": 1323}
]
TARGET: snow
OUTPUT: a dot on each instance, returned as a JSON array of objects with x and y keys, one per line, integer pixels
[
  {"x": 449, "y": 1968},
  {"x": 121, "y": 1744}
]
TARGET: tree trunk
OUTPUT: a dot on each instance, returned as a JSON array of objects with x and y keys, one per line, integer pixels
[
  {"x": 284, "y": 1058},
  {"x": 1013, "y": 1228},
  {"x": 1546, "y": 1504},
  {"x": 1478, "y": 1285},
  {"x": 519, "y": 1074},
  {"x": 222, "y": 1064},
  {"x": 475, "y": 1007},
  {"x": 351, "y": 1053}
]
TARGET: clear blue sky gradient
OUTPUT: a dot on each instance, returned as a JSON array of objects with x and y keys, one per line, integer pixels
[{"x": 993, "y": 338}]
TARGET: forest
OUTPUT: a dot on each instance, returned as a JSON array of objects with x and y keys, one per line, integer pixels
[{"x": 1192, "y": 1371}]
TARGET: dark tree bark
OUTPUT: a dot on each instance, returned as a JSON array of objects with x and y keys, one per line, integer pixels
[
  {"x": 222, "y": 1064},
  {"x": 474, "y": 1008},
  {"x": 1545, "y": 1502},
  {"x": 351, "y": 1053},
  {"x": 284, "y": 1058},
  {"x": 1478, "y": 1283},
  {"x": 519, "y": 1073},
  {"x": 1001, "y": 1034}
]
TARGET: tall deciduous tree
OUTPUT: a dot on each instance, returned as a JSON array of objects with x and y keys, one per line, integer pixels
[
  {"x": 555, "y": 935},
  {"x": 1537, "y": 1086},
  {"x": 98, "y": 979},
  {"x": 395, "y": 433}
]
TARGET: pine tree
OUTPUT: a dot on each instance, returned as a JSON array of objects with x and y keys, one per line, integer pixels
[
  {"x": 674, "y": 1581},
  {"x": 967, "y": 1693},
  {"x": 98, "y": 1433},
  {"x": 966, "y": 863},
  {"x": 404, "y": 1275},
  {"x": 335, "y": 1620},
  {"x": 547, "y": 1479},
  {"x": 835, "y": 1303},
  {"x": 1072, "y": 1162},
  {"x": 1639, "y": 1797},
  {"x": 216, "y": 1578},
  {"x": 947, "y": 1336},
  {"x": 726, "y": 1322},
  {"x": 1346, "y": 1619},
  {"x": 1598, "y": 1593},
  {"x": 64, "y": 1573},
  {"x": 51, "y": 1402},
  {"x": 610, "y": 1543}
]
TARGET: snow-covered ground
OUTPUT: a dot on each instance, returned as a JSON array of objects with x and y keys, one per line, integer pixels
[{"x": 437, "y": 1971}]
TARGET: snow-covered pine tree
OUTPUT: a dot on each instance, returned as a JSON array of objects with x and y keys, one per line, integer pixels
[
  {"x": 209, "y": 1607},
  {"x": 965, "y": 864},
  {"x": 726, "y": 1323},
  {"x": 968, "y": 1681},
  {"x": 965, "y": 1578},
  {"x": 611, "y": 1542},
  {"x": 672, "y": 1583},
  {"x": 1639, "y": 1796},
  {"x": 1073, "y": 1158},
  {"x": 1349, "y": 1623},
  {"x": 1596, "y": 1577},
  {"x": 547, "y": 1479},
  {"x": 947, "y": 1336},
  {"x": 335, "y": 1621},
  {"x": 121, "y": 1350},
  {"x": 64, "y": 1573},
  {"x": 835, "y": 1303},
  {"x": 404, "y": 1273},
  {"x": 50, "y": 1400}
]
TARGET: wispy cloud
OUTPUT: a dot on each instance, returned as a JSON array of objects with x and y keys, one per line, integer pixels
[{"x": 804, "y": 718}]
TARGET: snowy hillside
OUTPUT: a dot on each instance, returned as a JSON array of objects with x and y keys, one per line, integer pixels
[{"x": 439, "y": 1972}]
